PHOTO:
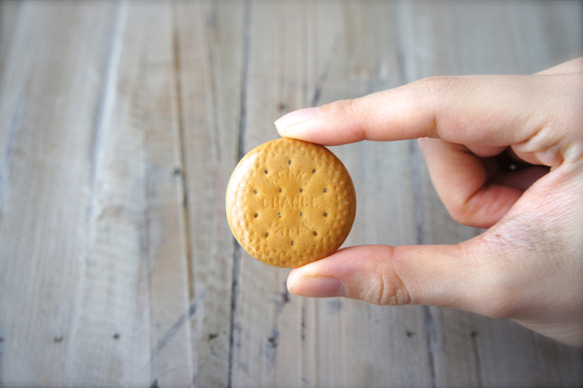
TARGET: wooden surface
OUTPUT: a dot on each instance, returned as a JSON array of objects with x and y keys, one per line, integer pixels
[{"x": 120, "y": 122}]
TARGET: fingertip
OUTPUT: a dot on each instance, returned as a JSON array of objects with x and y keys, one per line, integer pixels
[
  {"x": 318, "y": 287},
  {"x": 290, "y": 124},
  {"x": 312, "y": 280},
  {"x": 293, "y": 278},
  {"x": 334, "y": 123}
]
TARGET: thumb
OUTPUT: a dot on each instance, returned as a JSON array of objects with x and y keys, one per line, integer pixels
[{"x": 439, "y": 275}]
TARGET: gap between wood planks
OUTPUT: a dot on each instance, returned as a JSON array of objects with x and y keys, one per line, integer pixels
[{"x": 240, "y": 152}]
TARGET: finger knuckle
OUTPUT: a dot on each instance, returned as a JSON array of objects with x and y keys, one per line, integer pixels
[
  {"x": 343, "y": 108},
  {"x": 431, "y": 93},
  {"x": 351, "y": 110},
  {"x": 386, "y": 288},
  {"x": 435, "y": 88},
  {"x": 470, "y": 208},
  {"x": 461, "y": 214}
]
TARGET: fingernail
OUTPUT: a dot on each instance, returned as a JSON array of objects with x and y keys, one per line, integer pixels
[
  {"x": 318, "y": 287},
  {"x": 295, "y": 117}
]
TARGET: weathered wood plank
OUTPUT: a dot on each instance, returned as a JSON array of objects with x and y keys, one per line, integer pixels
[
  {"x": 147, "y": 109},
  {"x": 9, "y": 16},
  {"x": 112, "y": 301},
  {"x": 210, "y": 50},
  {"x": 120, "y": 123},
  {"x": 546, "y": 33},
  {"x": 260, "y": 345},
  {"x": 51, "y": 105}
]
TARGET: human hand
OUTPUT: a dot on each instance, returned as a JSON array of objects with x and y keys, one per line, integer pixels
[{"x": 528, "y": 266}]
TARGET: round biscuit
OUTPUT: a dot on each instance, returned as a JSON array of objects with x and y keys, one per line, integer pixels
[{"x": 290, "y": 202}]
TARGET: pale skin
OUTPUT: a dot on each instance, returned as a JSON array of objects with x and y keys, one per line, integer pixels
[{"x": 528, "y": 265}]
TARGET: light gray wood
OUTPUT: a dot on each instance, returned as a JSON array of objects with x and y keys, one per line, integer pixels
[
  {"x": 209, "y": 52},
  {"x": 120, "y": 123},
  {"x": 51, "y": 110},
  {"x": 9, "y": 16}
]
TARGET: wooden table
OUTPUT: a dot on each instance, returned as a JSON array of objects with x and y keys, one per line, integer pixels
[{"x": 120, "y": 123}]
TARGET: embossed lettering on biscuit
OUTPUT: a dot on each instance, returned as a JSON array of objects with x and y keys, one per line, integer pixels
[{"x": 290, "y": 202}]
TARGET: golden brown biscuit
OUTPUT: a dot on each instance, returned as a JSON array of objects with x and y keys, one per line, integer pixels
[{"x": 290, "y": 202}]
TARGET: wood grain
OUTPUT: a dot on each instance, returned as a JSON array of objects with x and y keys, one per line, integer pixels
[
  {"x": 9, "y": 17},
  {"x": 120, "y": 123},
  {"x": 210, "y": 53}
]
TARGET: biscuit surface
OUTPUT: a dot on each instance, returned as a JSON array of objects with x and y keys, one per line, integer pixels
[{"x": 290, "y": 202}]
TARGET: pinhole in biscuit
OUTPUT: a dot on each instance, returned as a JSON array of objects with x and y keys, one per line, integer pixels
[{"x": 290, "y": 202}]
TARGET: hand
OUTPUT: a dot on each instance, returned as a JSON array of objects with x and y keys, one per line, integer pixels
[{"x": 528, "y": 266}]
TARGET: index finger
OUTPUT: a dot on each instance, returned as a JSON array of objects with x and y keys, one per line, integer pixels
[{"x": 496, "y": 110}]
